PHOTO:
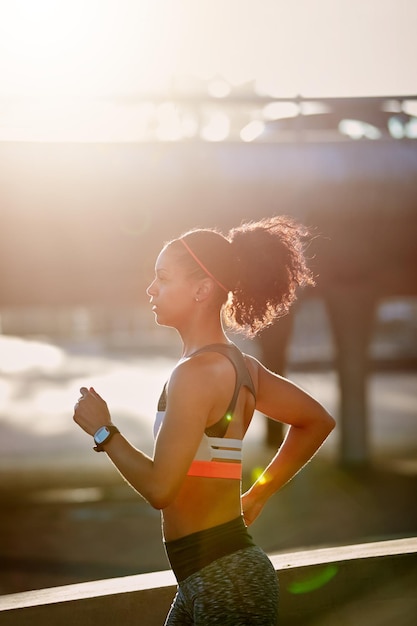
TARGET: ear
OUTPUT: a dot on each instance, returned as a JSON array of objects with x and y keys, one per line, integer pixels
[{"x": 204, "y": 289}]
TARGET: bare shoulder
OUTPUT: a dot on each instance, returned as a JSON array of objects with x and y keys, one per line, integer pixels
[
  {"x": 198, "y": 366},
  {"x": 201, "y": 375},
  {"x": 255, "y": 368},
  {"x": 258, "y": 370}
]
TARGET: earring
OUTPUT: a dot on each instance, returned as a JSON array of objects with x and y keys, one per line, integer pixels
[{"x": 196, "y": 299}]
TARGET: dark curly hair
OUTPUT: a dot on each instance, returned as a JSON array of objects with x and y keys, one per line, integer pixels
[{"x": 257, "y": 267}]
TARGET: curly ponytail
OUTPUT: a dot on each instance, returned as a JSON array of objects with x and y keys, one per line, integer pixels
[
  {"x": 257, "y": 268},
  {"x": 271, "y": 265}
]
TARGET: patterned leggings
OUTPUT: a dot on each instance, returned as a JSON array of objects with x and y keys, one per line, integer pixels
[{"x": 239, "y": 589}]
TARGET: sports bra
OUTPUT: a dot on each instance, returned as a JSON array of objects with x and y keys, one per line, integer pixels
[{"x": 217, "y": 456}]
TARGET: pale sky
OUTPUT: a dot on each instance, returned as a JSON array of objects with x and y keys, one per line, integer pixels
[{"x": 53, "y": 50}]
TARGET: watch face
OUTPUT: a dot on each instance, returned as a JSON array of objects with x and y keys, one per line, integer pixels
[{"x": 101, "y": 435}]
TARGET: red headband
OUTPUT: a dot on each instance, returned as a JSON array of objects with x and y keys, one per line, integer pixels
[{"x": 203, "y": 267}]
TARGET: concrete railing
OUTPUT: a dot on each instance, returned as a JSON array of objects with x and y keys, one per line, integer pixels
[{"x": 371, "y": 583}]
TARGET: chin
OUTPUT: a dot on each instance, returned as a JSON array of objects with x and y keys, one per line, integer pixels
[{"x": 160, "y": 321}]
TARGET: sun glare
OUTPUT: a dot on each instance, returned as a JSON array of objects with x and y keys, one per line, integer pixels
[
  {"x": 84, "y": 47},
  {"x": 76, "y": 70},
  {"x": 43, "y": 44}
]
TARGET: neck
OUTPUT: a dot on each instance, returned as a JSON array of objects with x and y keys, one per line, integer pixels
[
  {"x": 196, "y": 336},
  {"x": 190, "y": 347}
]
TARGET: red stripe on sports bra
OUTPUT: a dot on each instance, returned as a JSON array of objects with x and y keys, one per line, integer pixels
[{"x": 215, "y": 469}]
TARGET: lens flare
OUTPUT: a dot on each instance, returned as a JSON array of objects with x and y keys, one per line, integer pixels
[
  {"x": 317, "y": 580},
  {"x": 256, "y": 475}
]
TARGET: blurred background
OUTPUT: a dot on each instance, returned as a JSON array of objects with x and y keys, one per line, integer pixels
[{"x": 122, "y": 124}]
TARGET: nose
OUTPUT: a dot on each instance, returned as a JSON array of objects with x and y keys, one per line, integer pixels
[{"x": 151, "y": 291}]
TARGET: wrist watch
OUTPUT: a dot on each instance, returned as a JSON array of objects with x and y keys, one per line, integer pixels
[{"x": 103, "y": 436}]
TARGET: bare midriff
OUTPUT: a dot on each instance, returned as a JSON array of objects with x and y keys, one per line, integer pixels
[{"x": 201, "y": 503}]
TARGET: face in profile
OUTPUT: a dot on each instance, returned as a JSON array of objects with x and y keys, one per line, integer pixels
[{"x": 172, "y": 292}]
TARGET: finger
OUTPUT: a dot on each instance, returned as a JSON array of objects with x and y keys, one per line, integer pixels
[
  {"x": 94, "y": 393},
  {"x": 83, "y": 392}
]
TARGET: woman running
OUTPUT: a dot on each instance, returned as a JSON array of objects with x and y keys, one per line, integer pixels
[{"x": 205, "y": 281}]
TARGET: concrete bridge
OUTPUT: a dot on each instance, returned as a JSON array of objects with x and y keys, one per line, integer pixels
[{"x": 82, "y": 224}]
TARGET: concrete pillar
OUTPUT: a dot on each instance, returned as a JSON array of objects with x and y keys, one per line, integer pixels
[{"x": 351, "y": 313}]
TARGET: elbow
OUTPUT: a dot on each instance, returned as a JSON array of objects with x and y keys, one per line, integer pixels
[
  {"x": 162, "y": 489},
  {"x": 160, "y": 498},
  {"x": 328, "y": 423},
  {"x": 158, "y": 503},
  {"x": 322, "y": 424}
]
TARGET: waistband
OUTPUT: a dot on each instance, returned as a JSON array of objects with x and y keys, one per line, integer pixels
[{"x": 191, "y": 553}]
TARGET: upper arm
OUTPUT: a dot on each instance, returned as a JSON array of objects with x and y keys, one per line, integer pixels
[
  {"x": 282, "y": 400},
  {"x": 189, "y": 399}
]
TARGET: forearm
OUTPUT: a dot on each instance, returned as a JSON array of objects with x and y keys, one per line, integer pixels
[
  {"x": 135, "y": 466},
  {"x": 299, "y": 446},
  {"x": 138, "y": 469}
]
